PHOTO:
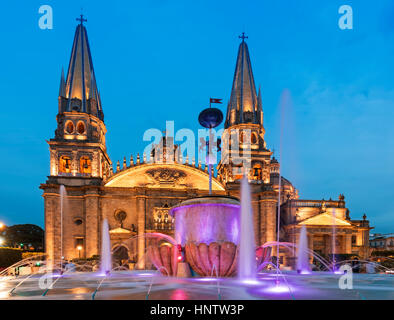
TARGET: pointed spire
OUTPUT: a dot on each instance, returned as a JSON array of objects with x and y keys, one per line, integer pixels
[
  {"x": 124, "y": 163},
  {"x": 81, "y": 81},
  {"x": 62, "y": 88},
  {"x": 131, "y": 161},
  {"x": 243, "y": 104},
  {"x": 93, "y": 88}
]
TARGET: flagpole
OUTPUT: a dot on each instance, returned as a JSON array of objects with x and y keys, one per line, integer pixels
[{"x": 209, "y": 162}]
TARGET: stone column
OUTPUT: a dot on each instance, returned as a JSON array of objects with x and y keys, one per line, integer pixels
[
  {"x": 348, "y": 243},
  {"x": 310, "y": 245},
  {"x": 365, "y": 244},
  {"x": 141, "y": 213},
  {"x": 256, "y": 222},
  {"x": 268, "y": 212},
  {"x": 55, "y": 247},
  {"x": 53, "y": 163},
  {"x": 327, "y": 244},
  {"x": 74, "y": 163},
  {"x": 92, "y": 227},
  {"x": 95, "y": 165},
  {"x": 49, "y": 204}
]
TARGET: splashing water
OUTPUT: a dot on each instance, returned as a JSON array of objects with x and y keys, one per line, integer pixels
[
  {"x": 334, "y": 236},
  {"x": 106, "y": 263},
  {"x": 303, "y": 256},
  {"x": 247, "y": 246}
]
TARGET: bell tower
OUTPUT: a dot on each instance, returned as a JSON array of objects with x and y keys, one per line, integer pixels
[
  {"x": 78, "y": 148},
  {"x": 244, "y": 147},
  {"x": 78, "y": 161}
]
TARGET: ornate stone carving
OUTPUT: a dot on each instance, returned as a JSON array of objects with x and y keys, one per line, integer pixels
[{"x": 166, "y": 176}]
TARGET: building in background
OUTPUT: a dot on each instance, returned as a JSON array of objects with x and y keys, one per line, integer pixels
[
  {"x": 382, "y": 242},
  {"x": 136, "y": 195}
]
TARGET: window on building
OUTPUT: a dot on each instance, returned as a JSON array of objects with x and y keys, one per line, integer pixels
[
  {"x": 65, "y": 164},
  {"x": 69, "y": 127},
  {"x": 254, "y": 138},
  {"x": 354, "y": 240},
  {"x": 257, "y": 172},
  {"x": 81, "y": 127},
  {"x": 120, "y": 216},
  {"x": 85, "y": 165}
]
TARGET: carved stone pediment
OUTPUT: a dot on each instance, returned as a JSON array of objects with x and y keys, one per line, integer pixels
[
  {"x": 163, "y": 175},
  {"x": 166, "y": 175}
]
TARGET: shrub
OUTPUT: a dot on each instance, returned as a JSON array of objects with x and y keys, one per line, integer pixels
[{"x": 9, "y": 256}]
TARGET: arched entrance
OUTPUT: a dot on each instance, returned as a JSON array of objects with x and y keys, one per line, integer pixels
[{"x": 120, "y": 255}]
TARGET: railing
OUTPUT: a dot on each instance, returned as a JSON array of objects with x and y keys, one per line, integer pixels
[
  {"x": 151, "y": 225},
  {"x": 316, "y": 203}
]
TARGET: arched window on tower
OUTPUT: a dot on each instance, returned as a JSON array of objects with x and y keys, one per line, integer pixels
[
  {"x": 65, "y": 164},
  {"x": 85, "y": 165},
  {"x": 257, "y": 172},
  {"x": 69, "y": 127},
  {"x": 241, "y": 137},
  {"x": 81, "y": 127},
  {"x": 254, "y": 138}
]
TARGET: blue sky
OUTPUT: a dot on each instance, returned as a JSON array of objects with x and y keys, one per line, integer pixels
[{"x": 162, "y": 60}]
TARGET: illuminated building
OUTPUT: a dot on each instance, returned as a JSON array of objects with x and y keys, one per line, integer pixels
[{"x": 137, "y": 196}]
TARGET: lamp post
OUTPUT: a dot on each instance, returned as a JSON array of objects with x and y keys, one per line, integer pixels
[{"x": 79, "y": 251}]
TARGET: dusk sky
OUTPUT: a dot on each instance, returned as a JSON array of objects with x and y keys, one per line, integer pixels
[{"x": 162, "y": 60}]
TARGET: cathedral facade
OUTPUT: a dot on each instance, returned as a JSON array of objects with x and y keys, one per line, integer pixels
[{"x": 135, "y": 195}]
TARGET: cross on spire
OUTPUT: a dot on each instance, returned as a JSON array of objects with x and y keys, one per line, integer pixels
[
  {"x": 243, "y": 37},
  {"x": 81, "y": 19}
]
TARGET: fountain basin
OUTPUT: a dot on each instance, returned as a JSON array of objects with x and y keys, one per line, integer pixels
[
  {"x": 215, "y": 260},
  {"x": 208, "y": 229},
  {"x": 164, "y": 258}
]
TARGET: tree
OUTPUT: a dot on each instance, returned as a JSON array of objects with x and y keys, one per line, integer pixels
[{"x": 24, "y": 236}]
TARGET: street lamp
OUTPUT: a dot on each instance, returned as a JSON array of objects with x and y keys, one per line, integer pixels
[{"x": 79, "y": 250}]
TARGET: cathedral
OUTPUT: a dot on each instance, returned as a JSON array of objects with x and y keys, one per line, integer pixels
[{"x": 135, "y": 195}]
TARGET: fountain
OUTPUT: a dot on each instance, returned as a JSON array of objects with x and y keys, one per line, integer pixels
[
  {"x": 106, "y": 259},
  {"x": 208, "y": 229},
  {"x": 334, "y": 240},
  {"x": 63, "y": 207},
  {"x": 247, "y": 246},
  {"x": 302, "y": 254},
  {"x": 216, "y": 233}
]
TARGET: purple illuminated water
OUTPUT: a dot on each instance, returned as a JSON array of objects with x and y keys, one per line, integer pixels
[
  {"x": 207, "y": 222},
  {"x": 333, "y": 240},
  {"x": 247, "y": 245},
  {"x": 106, "y": 259},
  {"x": 302, "y": 254}
]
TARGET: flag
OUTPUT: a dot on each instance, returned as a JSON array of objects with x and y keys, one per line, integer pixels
[{"x": 213, "y": 100}]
